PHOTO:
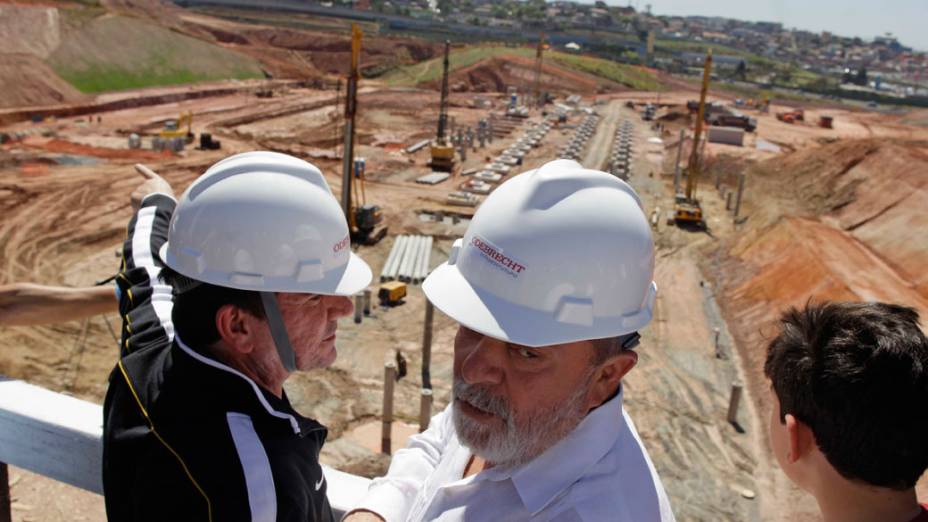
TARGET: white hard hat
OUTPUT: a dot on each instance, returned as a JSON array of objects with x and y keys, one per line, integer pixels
[
  {"x": 554, "y": 255},
  {"x": 266, "y": 222}
]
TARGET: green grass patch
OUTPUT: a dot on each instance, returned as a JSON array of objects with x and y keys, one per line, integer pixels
[
  {"x": 701, "y": 47},
  {"x": 97, "y": 79},
  {"x": 113, "y": 53},
  {"x": 431, "y": 70},
  {"x": 628, "y": 75}
]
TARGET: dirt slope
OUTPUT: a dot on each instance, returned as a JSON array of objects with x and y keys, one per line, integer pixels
[
  {"x": 497, "y": 73},
  {"x": 29, "y": 29},
  {"x": 25, "y": 81},
  {"x": 875, "y": 190},
  {"x": 30, "y": 34},
  {"x": 297, "y": 53},
  {"x": 840, "y": 221}
]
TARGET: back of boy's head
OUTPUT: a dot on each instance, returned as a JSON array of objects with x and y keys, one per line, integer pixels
[{"x": 857, "y": 375}]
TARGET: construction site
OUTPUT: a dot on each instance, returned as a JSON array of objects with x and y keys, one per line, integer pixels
[{"x": 755, "y": 205}]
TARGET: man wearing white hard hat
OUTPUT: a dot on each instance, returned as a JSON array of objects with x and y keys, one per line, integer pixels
[
  {"x": 550, "y": 285},
  {"x": 223, "y": 295}
]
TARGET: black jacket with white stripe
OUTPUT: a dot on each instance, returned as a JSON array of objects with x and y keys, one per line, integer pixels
[{"x": 186, "y": 437}]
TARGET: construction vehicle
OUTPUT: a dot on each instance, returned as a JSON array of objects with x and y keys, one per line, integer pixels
[
  {"x": 208, "y": 143},
  {"x": 732, "y": 119},
  {"x": 686, "y": 207},
  {"x": 364, "y": 220},
  {"x": 176, "y": 128},
  {"x": 826, "y": 122},
  {"x": 792, "y": 116},
  {"x": 442, "y": 151},
  {"x": 649, "y": 111},
  {"x": 708, "y": 108},
  {"x": 391, "y": 293}
]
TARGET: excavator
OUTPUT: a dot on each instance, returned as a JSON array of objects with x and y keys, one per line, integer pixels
[
  {"x": 442, "y": 151},
  {"x": 687, "y": 211},
  {"x": 365, "y": 222},
  {"x": 179, "y": 128}
]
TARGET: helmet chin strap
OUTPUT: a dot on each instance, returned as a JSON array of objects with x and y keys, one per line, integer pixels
[
  {"x": 278, "y": 330},
  {"x": 629, "y": 341}
]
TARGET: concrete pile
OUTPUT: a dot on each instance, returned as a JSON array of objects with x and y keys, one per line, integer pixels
[
  {"x": 462, "y": 199},
  {"x": 433, "y": 179}
]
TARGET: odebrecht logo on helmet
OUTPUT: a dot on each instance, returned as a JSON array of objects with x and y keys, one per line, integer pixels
[
  {"x": 497, "y": 258},
  {"x": 337, "y": 247}
]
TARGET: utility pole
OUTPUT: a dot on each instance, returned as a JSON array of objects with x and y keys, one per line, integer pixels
[{"x": 350, "y": 110}]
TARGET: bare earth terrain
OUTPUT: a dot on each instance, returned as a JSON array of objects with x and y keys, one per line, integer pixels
[{"x": 833, "y": 214}]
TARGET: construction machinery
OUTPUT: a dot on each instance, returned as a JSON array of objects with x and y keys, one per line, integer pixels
[
  {"x": 364, "y": 220},
  {"x": 391, "y": 293},
  {"x": 719, "y": 115},
  {"x": 792, "y": 116},
  {"x": 686, "y": 208},
  {"x": 826, "y": 122},
  {"x": 732, "y": 119},
  {"x": 649, "y": 111},
  {"x": 208, "y": 143},
  {"x": 179, "y": 128},
  {"x": 442, "y": 150}
]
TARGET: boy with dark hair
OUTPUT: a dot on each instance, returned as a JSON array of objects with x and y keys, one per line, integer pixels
[{"x": 850, "y": 411}]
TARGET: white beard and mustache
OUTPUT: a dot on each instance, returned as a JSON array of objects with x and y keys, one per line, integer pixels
[{"x": 523, "y": 437}]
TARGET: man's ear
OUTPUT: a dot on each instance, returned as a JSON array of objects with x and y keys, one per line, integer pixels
[
  {"x": 235, "y": 328},
  {"x": 801, "y": 439},
  {"x": 608, "y": 376}
]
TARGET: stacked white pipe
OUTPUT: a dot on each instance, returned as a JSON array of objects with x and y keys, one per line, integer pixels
[{"x": 409, "y": 259}]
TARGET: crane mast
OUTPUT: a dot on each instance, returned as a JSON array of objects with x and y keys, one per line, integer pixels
[
  {"x": 692, "y": 167},
  {"x": 443, "y": 108}
]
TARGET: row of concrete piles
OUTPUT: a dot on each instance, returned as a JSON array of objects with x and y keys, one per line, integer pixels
[
  {"x": 622, "y": 150},
  {"x": 582, "y": 135},
  {"x": 409, "y": 259},
  {"x": 486, "y": 179}
]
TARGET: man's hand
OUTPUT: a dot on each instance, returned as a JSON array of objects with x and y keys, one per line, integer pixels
[
  {"x": 363, "y": 516},
  {"x": 153, "y": 183}
]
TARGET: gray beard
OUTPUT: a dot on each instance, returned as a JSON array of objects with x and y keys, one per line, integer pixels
[{"x": 524, "y": 437}]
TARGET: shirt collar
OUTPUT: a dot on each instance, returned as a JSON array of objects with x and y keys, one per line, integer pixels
[
  {"x": 275, "y": 407},
  {"x": 540, "y": 480}
]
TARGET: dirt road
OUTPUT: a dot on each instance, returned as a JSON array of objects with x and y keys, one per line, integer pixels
[{"x": 599, "y": 147}]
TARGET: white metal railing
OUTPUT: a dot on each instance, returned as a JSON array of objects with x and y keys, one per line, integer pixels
[{"x": 61, "y": 437}]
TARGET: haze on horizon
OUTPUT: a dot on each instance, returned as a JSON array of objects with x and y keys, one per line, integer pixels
[{"x": 905, "y": 19}]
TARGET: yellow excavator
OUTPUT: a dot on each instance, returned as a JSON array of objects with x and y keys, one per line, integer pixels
[
  {"x": 686, "y": 208},
  {"x": 364, "y": 220},
  {"x": 442, "y": 150},
  {"x": 179, "y": 128}
]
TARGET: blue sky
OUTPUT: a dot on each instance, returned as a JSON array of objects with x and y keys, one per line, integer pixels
[{"x": 906, "y": 19}]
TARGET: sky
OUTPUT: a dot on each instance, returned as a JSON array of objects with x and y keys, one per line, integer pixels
[{"x": 906, "y": 19}]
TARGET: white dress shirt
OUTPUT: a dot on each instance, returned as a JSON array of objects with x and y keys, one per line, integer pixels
[{"x": 598, "y": 472}]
